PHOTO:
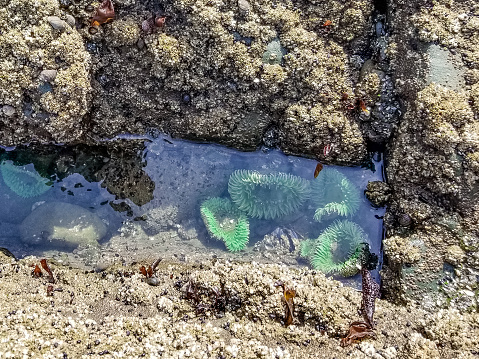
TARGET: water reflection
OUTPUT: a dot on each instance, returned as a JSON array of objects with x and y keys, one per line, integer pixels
[{"x": 132, "y": 198}]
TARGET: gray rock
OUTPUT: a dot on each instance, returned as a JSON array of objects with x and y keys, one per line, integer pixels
[
  {"x": 56, "y": 23},
  {"x": 8, "y": 110},
  {"x": 48, "y": 75},
  {"x": 244, "y": 6},
  {"x": 70, "y": 20},
  {"x": 445, "y": 68},
  {"x": 274, "y": 53},
  {"x": 62, "y": 223}
]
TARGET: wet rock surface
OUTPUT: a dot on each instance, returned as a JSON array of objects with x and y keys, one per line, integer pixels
[
  {"x": 378, "y": 193},
  {"x": 432, "y": 166},
  {"x": 130, "y": 76}
]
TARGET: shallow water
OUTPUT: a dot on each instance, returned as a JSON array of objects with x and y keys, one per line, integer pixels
[{"x": 147, "y": 193}]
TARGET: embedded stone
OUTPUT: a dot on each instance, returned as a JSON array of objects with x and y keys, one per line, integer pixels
[
  {"x": 56, "y": 23},
  {"x": 8, "y": 110},
  {"x": 48, "y": 75},
  {"x": 70, "y": 20}
]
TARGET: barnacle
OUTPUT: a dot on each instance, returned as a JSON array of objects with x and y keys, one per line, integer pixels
[
  {"x": 225, "y": 222},
  {"x": 24, "y": 182},
  {"x": 334, "y": 195},
  {"x": 338, "y": 250},
  {"x": 267, "y": 196}
]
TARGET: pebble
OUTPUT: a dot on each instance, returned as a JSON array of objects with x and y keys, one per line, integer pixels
[
  {"x": 153, "y": 281},
  {"x": 48, "y": 75},
  {"x": 244, "y": 6},
  {"x": 8, "y": 110},
  {"x": 186, "y": 98},
  {"x": 70, "y": 20},
  {"x": 469, "y": 293},
  {"x": 56, "y": 23}
]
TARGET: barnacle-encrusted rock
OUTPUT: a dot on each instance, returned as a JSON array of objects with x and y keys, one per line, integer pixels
[
  {"x": 324, "y": 126},
  {"x": 378, "y": 193},
  {"x": 166, "y": 49},
  {"x": 267, "y": 196},
  {"x": 272, "y": 77},
  {"x": 334, "y": 195},
  {"x": 337, "y": 250},
  {"x": 123, "y": 32},
  {"x": 35, "y": 37},
  {"x": 225, "y": 222}
]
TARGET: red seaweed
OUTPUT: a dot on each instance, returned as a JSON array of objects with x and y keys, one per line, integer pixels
[
  {"x": 318, "y": 169},
  {"x": 37, "y": 272},
  {"x": 47, "y": 269},
  {"x": 357, "y": 331},
  {"x": 287, "y": 299},
  {"x": 104, "y": 13}
]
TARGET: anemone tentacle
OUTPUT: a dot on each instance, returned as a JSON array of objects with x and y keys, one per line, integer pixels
[
  {"x": 267, "y": 196},
  {"x": 225, "y": 222},
  {"x": 337, "y": 250},
  {"x": 334, "y": 195},
  {"x": 24, "y": 182}
]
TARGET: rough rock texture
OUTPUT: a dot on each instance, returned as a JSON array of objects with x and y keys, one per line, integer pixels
[
  {"x": 34, "y": 38},
  {"x": 431, "y": 249},
  {"x": 201, "y": 75},
  {"x": 116, "y": 312},
  {"x": 378, "y": 193}
]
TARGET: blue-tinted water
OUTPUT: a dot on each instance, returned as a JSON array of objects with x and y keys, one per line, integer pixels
[{"x": 153, "y": 189}]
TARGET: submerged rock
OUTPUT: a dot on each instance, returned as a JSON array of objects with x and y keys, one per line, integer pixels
[
  {"x": 62, "y": 223},
  {"x": 378, "y": 193}
]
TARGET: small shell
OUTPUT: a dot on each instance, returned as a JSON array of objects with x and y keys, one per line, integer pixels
[
  {"x": 404, "y": 220},
  {"x": 186, "y": 98},
  {"x": 148, "y": 25},
  {"x": 70, "y": 20},
  {"x": 244, "y": 6}
]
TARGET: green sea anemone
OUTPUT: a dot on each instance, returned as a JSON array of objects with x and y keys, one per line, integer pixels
[
  {"x": 267, "y": 196},
  {"x": 334, "y": 195},
  {"x": 225, "y": 222},
  {"x": 338, "y": 250},
  {"x": 24, "y": 182}
]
